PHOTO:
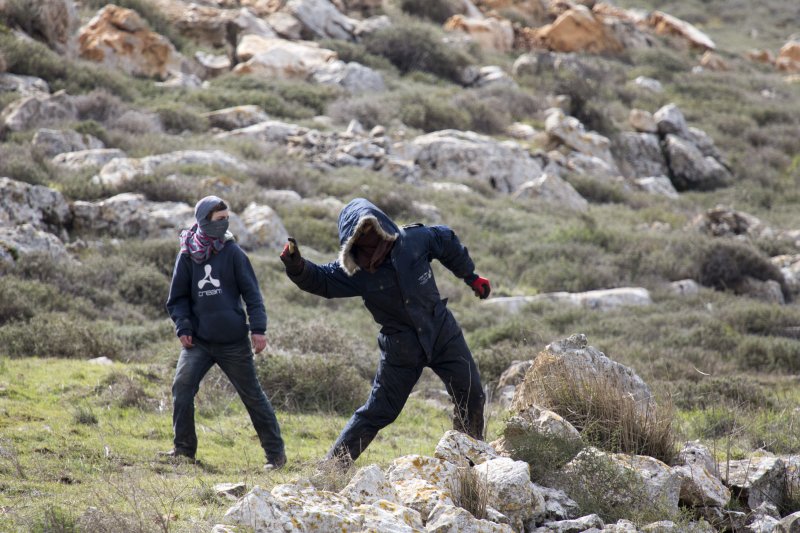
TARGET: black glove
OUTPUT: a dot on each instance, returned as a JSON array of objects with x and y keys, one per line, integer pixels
[{"x": 292, "y": 259}]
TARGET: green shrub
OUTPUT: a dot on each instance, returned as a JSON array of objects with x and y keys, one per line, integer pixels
[
  {"x": 733, "y": 391},
  {"x": 160, "y": 253},
  {"x": 145, "y": 286},
  {"x": 59, "y": 335},
  {"x": 598, "y": 190},
  {"x": 93, "y": 128},
  {"x": 546, "y": 454},
  {"x": 412, "y": 45},
  {"x": 356, "y": 52},
  {"x": 24, "y": 163},
  {"x": 769, "y": 354},
  {"x": 54, "y": 519},
  {"x": 725, "y": 264},
  {"x": 177, "y": 118},
  {"x": 436, "y": 10},
  {"x": 23, "y": 299}
]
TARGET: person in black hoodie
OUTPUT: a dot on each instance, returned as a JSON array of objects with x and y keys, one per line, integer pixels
[
  {"x": 212, "y": 276},
  {"x": 389, "y": 268}
]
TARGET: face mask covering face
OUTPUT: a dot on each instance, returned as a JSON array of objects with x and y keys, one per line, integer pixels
[{"x": 215, "y": 228}]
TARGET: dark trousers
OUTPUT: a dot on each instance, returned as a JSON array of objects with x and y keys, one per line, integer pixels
[
  {"x": 399, "y": 369},
  {"x": 236, "y": 361}
]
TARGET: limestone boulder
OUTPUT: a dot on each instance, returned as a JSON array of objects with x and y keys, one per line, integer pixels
[
  {"x": 40, "y": 207},
  {"x": 761, "y": 56},
  {"x": 87, "y": 158},
  {"x": 233, "y": 118},
  {"x": 271, "y": 131},
  {"x": 422, "y": 496},
  {"x": 260, "y": 511},
  {"x": 574, "y": 356},
  {"x": 700, "y": 488},
  {"x": 389, "y": 516},
  {"x": 598, "y": 300},
  {"x": 353, "y": 77},
  {"x": 665, "y": 24},
  {"x": 122, "y": 170},
  {"x": 321, "y": 19},
  {"x": 713, "y": 61},
  {"x": 462, "y": 450},
  {"x": 569, "y": 131},
  {"x": 790, "y": 523},
  {"x": 204, "y": 24},
  {"x": 670, "y": 120},
  {"x": 642, "y": 121},
  {"x": 557, "y": 505},
  {"x": 514, "y": 374},
  {"x": 553, "y": 190},
  {"x": 657, "y": 185},
  {"x": 690, "y": 170},
  {"x": 590, "y": 522},
  {"x": 490, "y": 33},
  {"x": 486, "y": 76},
  {"x": 641, "y": 155},
  {"x": 368, "y": 486},
  {"x": 592, "y": 167},
  {"x": 790, "y": 268},
  {"x": 452, "y": 154},
  {"x": 788, "y": 59},
  {"x": 447, "y": 518},
  {"x": 54, "y": 142},
  {"x": 649, "y": 84},
  {"x": 119, "y": 38},
  {"x": 684, "y": 287},
  {"x": 24, "y": 85},
  {"x": 38, "y": 110},
  {"x": 231, "y": 491},
  {"x": 756, "y": 480},
  {"x": 535, "y": 421},
  {"x": 285, "y": 25},
  {"x": 131, "y": 215},
  {"x": 264, "y": 227},
  {"x": 722, "y": 221},
  {"x": 317, "y": 510},
  {"x": 769, "y": 291},
  {"x": 510, "y": 490},
  {"x": 279, "y": 58},
  {"x": 578, "y": 30},
  {"x": 422, "y": 482},
  {"x": 26, "y": 239},
  {"x": 212, "y": 65}
]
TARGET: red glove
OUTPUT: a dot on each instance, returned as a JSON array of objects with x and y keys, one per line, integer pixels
[{"x": 481, "y": 287}]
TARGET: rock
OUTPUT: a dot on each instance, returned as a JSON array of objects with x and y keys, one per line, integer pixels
[
  {"x": 790, "y": 523},
  {"x": 280, "y": 58},
  {"x": 204, "y": 24},
  {"x": 722, "y": 221},
  {"x": 101, "y": 361},
  {"x": 118, "y": 38},
  {"x": 353, "y": 77},
  {"x": 535, "y": 63},
  {"x": 40, "y": 207},
  {"x": 574, "y": 356},
  {"x": 122, "y": 170},
  {"x": 492, "y": 75},
  {"x": 384, "y": 515},
  {"x": 422, "y": 482},
  {"x": 260, "y": 511},
  {"x": 788, "y": 59},
  {"x": 514, "y": 374},
  {"x": 369, "y": 486},
  {"x": 599, "y": 300},
  {"x": 422, "y": 496},
  {"x": 578, "y": 525},
  {"x": 538, "y": 422},
  {"x": 181, "y": 80},
  {"x": 557, "y": 505},
  {"x": 621, "y": 526},
  {"x": 249, "y": 23},
  {"x": 264, "y": 226},
  {"x": 52, "y": 21},
  {"x": 684, "y": 287},
  {"x": 138, "y": 122},
  {"x": 233, "y": 118},
  {"x": 447, "y": 518},
  {"x": 25, "y": 85},
  {"x": 669, "y": 119},
  {"x": 26, "y": 239},
  {"x": 700, "y": 487},
  {"x": 690, "y": 170},
  {"x": 642, "y": 121},
  {"x": 490, "y": 33},
  {"x": 270, "y": 131},
  {"x": 660, "y": 185},
  {"x": 510, "y": 489},
  {"x": 713, "y": 61},
  {"x": 87, "y": 158},
  {"x": 131, "y": 215},
  {"x": 285, "y": 25},
  {"x": 522, "y": 131},
  {"x": 371, "y": 25},
  {"x": 317, "y": 510},
  {"x": 321, "y": 19},
  {"x": 456, "y": 154},
  {"x": 462, "y": 450},
  {"x": 553, "y": 190},
  {"x": 769, "y": 291},
  {"x": 790, "y": 268},
  {"x": 592, "y": 167},
  {"x": 578, "y": 30},
  {"x": 213, "y": 65},
  {"x": 54, "y": 142},
  {"x": 649, "y": 84},
  {"x": 761, "y": 56},
  {"x": 665, "y": 24},
  {"x": 756, "y": 480},
  {"x": 231, "y": 491},
  {"x": 569, "y": 131},
  {"x": 38, "y": 110}
]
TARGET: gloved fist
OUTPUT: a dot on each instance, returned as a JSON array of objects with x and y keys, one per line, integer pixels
[
  {"x": 481, "y": 287},
  {"x": 291, "y": 258}
]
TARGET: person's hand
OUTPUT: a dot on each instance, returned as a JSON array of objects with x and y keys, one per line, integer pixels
[
  {"x": 186, "y": 341},
  {"x": 481, "y": 287},
  {"x": 291, "y": 258},
  {"x": 259, "y": 342}
]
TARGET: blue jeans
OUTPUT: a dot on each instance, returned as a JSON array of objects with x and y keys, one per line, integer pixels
[{"x": 236, "y": 361}]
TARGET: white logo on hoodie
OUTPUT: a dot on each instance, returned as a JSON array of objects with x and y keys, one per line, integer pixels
[{"x": 208, "y": 279}]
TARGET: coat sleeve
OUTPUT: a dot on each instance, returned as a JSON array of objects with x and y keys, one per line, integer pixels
[
  {"x": 179, "y": 301},
  {"x": 251, "y": 294},
  {"x": 328, "y": 281},
  {"x": 445, "y": 246}
]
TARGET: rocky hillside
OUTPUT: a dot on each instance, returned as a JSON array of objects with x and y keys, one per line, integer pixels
[{"x": 626, "y": 170}]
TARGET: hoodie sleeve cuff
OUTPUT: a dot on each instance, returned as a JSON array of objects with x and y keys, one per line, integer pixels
[
  {"x": 258, "y": 331},
  {"x": 469, "y": 280},
  {"x": 182, "y": 332}
]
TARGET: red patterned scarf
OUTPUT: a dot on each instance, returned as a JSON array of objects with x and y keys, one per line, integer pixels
[{"x": 198, "y": 245}]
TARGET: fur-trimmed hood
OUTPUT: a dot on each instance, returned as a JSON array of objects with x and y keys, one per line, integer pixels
[{"x": 352, "y": 220}]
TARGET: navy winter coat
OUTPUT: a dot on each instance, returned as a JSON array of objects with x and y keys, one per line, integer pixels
[
  {"x": 205, "y": 300},
  {"x": 402, "y": 294}
]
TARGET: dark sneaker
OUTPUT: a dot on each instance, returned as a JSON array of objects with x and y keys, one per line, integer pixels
[
  {"x": 276, "y": 463},
  {"x": 178, "y": 454}
]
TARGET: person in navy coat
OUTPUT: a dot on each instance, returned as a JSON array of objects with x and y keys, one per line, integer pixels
[{"x": 390, "y": 269}]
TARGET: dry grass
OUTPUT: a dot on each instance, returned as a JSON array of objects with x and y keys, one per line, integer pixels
[
  {"x": 470, "y": 491},
  {"x": 606, "y": 416}
]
